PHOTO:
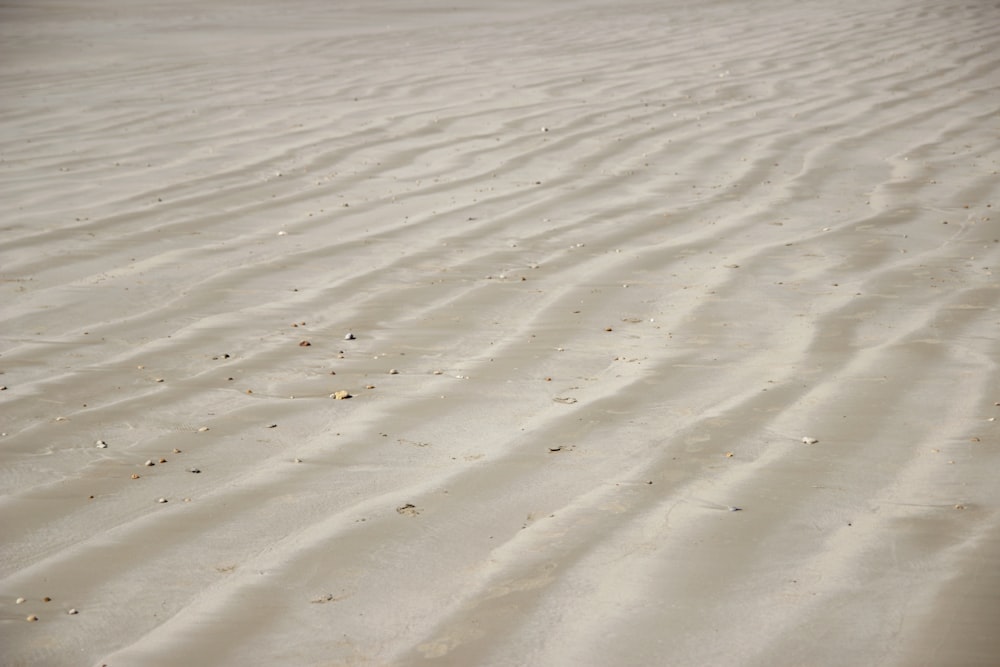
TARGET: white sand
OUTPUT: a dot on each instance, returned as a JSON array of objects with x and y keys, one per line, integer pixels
[{"x": 712, "y": 229}]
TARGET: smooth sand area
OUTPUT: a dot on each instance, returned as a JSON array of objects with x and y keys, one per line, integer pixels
[{"x": 610, "y": 269}]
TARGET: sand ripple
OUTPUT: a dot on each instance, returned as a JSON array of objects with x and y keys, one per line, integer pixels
[{"x": 709, "y": 230}]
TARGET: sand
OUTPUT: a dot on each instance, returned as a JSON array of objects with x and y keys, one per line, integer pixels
[{"x": 622, "y": 258}]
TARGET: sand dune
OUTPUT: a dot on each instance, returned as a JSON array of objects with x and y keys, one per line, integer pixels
[{"x": 605, "y": 265}]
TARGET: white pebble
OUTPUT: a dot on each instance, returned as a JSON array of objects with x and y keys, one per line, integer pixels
[
  {"x": 101, "y": 444},
  {"x": 282, "y": 233},
  {"x": 349, "y": 336},
  {"x": 20, "y": 601},
  {"x": 161, "y": 500},
  {"x": 809, "y": 441},
  {"x": 202, "y": 429},
  {"x": 72, "y": 612},
  {"x": 149, "y": 463}
]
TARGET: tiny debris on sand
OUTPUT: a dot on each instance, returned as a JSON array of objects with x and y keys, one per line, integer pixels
[
  {"x": 809, "y": 441},
  {"x": 408, "y": 509},
  {"x": 340, "y": 395}
]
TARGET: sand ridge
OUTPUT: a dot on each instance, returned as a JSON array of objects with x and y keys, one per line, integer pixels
[{"x": 623, "y": 258}]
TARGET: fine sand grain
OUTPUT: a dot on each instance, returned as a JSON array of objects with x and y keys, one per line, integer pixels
[{"x": 662, "y": 333}]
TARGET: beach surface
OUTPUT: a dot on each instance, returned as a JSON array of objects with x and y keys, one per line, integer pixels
[{"x": 560, "y": 334}]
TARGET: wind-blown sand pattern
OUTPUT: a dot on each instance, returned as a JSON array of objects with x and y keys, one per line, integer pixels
[{"x": 624, "y": 258}]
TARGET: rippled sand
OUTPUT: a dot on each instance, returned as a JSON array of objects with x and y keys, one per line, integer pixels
[{"x": 623, "y": 256}]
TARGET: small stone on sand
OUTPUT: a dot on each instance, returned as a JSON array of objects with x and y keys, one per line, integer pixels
[
  {"x": 340, "y": 395},
  {"x": 809, "y": 441}
]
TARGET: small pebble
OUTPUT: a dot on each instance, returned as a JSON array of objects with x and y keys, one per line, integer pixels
[
  {"x": 393, "y": 371},
  {"x": 304, "y": 343},
  {"x": 101, "y": 444},
  {"x": 340, "y": 395},
  {"x": 203, "y": 429},
  {"x": 194, "y": 470},
  {"x": 297, "y": 460},
  {"x": 32, "y": 618},
  {"x": 20, "y": 601},
  {"x": 135, "y": 476},
  {"x": 161, "y": 500},
  {"x": 163, "y": 460},
  {"x": 809, "y": 441},
  {"x": 149, "y": 463},
  {"x": 72, "y": 612},
  {"x": 176, "y": 451},
  {"x": 349, "y": 336},
  {"x": 46, "y": 599}
]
